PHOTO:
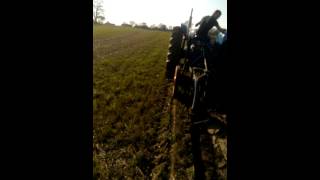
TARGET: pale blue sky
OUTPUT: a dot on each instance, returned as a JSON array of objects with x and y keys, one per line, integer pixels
[{"x": 169, "y": 12}]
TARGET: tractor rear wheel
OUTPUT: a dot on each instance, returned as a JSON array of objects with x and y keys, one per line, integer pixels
[{"x": 174, "y": 52}]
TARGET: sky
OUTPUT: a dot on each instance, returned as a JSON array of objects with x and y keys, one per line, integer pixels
[{"x": 168, "y": 12}]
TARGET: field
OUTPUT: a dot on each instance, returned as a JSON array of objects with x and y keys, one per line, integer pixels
[
  {"x": 137, "y": 134},
  {"x": 129, "y": 99}
]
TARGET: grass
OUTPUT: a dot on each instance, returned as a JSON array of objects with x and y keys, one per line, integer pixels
[{"x": 128, "y": 102}]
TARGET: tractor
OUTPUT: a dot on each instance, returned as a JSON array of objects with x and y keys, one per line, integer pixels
[{"x": 196, "y": 67}]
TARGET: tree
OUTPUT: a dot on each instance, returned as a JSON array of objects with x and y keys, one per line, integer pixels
[
  {"x": 124, "y": 24},
  {"x": 98, "y": 12},
  {"x": 109, "y": 23},
  {"x": 162, "y": 27},
  {"x": 153, "y": 27},
  {"x": 144, "y": 25},
  {"x": 132, "y": 23}
]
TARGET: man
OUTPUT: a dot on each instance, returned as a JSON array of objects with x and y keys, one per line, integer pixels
[
  {"x": 206, "y": 24},
  {"x": 209, "y": 22},
  {"x": 216, "y": 57}
]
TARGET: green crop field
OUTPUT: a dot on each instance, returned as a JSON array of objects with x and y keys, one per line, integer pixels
[{"x": 128, "y": 102}]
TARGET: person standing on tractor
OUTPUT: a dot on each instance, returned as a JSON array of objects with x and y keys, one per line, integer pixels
[
  {"x": 209, "y": 22},
  {"x": 216, "y": 57},
  {"x": 206, "y": 24}
]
